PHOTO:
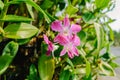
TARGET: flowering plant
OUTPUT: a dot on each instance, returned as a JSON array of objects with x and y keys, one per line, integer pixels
[{"x": 55, "y": 39}]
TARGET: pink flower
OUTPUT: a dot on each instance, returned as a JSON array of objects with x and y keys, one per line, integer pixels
[
  {"x": 50, "y": 45},
  {"x": 69, "y": 44},
  {"x": 64, "y": 27}
]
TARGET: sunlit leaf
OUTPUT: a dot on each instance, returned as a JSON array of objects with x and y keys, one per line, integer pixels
[
  {"x": 100, "y": 4},
  {"x": 1, "y": 5},
  {"x": 15, "y": 18},
  {"x": 71, "y": 10},
  {"x": 20, "y": 31},
  {"x": 46, "y": 67}
]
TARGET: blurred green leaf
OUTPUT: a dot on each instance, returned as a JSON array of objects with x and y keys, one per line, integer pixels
[
  {"x": 88, "y": 17},
  {"x": 8, "y": 55},
  {"x": 100, "y": 35},
  {"x": 69, "y": 62},
  {"x": 20, "y": 31},
  {"x": 1, "y": 5},
  {"x": 65, "y": 75},
  {"x": 71, "y": 10},
  {"x": 46, "y": 4},
  {"x": 46, "y": 67},
  {"x": 106, "y": 69},
  {"x": 29, "y": 7},
  {"x": 33, "y": 73},
  {"x": 88, "y": 69},
  {"x": 82, "y": 34},
  {"x": 14, "y": 18},
  {"x": 111, "y": 33},
  {"x": 23, "y": 41},
  {"x": 101, "y": 4},
  {"x": 33, "y": 4},
  {"x": 114, "y": 64}
]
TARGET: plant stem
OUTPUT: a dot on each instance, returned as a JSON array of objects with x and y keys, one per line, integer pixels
[{"x": 4, "y": 12}]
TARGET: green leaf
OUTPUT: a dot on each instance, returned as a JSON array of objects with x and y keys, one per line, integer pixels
[
  {"x": 114, "y": 64},
  {"x": 29, "y": 7},
  {"x": 46, "y": 67},
  {"x": 23, "y": 41},
  {"x": 1, "y": 5},
  {"x": 46, "y": 4},
  {"x": 8, "y": 54},
  {"x": 65, "y": 75},
  {"x": 71, "y": 10},
  {"x": 101, "y": 4},
  {"x": 88, "y": 17},
  {"x": 20, "y": 31},
  {"x": 5, "y": 61},
  {"x": 100, "y": 35},
  {"x": 69, "y": 62},
  {"x": 82, "y": 34},
  {"x": 111, "y": 33},
  {"x": 10, "y": 49},
  {"x": 106, "y": 69},
  {"x": 33, "y": 4},
  {"x": 14, "y": 18},
  {"x": 33, "y": 73},
  {"x": 88, "y": 69}
]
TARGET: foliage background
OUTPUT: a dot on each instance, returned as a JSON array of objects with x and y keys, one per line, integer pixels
[{"x": 23, "y": 23}]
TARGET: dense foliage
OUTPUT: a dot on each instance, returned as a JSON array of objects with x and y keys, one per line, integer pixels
[{"x": 55, "y": 39}]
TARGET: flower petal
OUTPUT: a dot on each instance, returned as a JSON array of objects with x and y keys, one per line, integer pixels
[
  {"x": 45, "y": 39},
  {"x": 75, "y": 28},
  {"x": 66, "y": 22},
  {"x": 56, "y": 26},
  {"x": 70, "y": 54},
  {"x": 61, "y": 39},
  {"x": 63, "y": 52},
  {"x": 48, "y": 52},
  {"x": 50, "y": 46},
  {"x": 76, "y": 41},
  {"x": 75, "y": 51}
]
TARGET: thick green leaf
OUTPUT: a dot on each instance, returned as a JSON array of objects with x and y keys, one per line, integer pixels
[
  {"x": 47, "y": 4},
  {"x": 71, "y": 10},
  {"x": 88, "y": 17},
  {"x": 46, "y": 67},
  {"x": 1, "y": 5},
  {"x": 5, "y": 61},
  {"x": 8, "y": 54},
  {"x": 10, "y": 49},
  {"x": 100, "y": 4},
  {"x": 65, "y": 75},
  {"x": 33, "y": 73},
  {"x": 15, "y": 18},
  {"x": 106, "y": 69},
  {"x": 20, "y": 31}
]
